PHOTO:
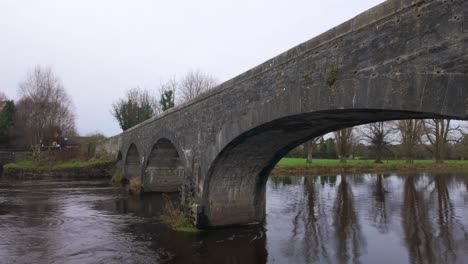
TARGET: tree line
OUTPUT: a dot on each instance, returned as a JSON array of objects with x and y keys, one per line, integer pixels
[
  {"x": 140, "y": 104},
  {"x": 43, "y": 109},
  {"x": 437, "y": 139}
]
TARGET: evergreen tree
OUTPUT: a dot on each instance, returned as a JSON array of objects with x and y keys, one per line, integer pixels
[
  {"x": 322, "y": 149},
  {"x": 7, "y": 115},
  {"x": 331, "y": 149},
  {"x": 138, "y": 106},
  {"x": 167, "y": 100}
]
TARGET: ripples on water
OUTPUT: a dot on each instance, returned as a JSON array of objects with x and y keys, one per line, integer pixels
[{"x": 313, "y": 219}]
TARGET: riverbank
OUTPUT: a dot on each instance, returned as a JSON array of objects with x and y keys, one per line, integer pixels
[
  {"x": 297, "y": 166},
  {"x": 82, "y": 169}
]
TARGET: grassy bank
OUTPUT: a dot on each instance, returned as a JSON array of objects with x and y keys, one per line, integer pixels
[
  {"x": 30, "y": 165},
  {"x": 297, "y": 165},
  {"x": 72, "y": 169}
]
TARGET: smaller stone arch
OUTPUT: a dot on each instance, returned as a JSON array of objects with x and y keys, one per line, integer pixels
[
  {"x": 119, "y": 162},
  {"x": 132, "y": 162},
  {"x": 164, "y": 170}
]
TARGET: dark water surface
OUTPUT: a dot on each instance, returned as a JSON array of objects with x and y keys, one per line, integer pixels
[{"x": 419, "y": 218}]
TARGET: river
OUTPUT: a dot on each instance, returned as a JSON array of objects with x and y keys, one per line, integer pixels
[{"x": 362, "y": 218}]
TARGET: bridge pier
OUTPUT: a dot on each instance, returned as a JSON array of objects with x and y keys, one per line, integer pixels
[{"x": 237, "y": 208}]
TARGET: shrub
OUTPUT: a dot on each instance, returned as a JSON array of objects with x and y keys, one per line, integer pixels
[
  {"x": 174, "y": 216},
  {"x": 134, "y": 185},
  {"x": 118, "y": 176},
  {"x": 193, "y": 201},
  {"x": 59, "y": 155}
]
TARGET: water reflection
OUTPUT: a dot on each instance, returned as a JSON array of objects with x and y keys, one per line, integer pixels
[
  {"x": 349, "y": 239},
  {"x": 379, "y": 211},
  {"x": 415, "y": 222},
  {"x": 451, "y": 232},
  {"x": 377, "y": 218}
]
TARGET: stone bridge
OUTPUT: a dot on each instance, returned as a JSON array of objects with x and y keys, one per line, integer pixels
[{"x": 402, "y": 59}]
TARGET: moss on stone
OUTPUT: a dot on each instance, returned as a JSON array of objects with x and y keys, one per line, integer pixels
[
  {"x": 183, "y": 224},
  {"x": 330, "y": 75}
]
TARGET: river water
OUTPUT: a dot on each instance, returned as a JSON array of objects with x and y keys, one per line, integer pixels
[{"x": 365, "y": 218}]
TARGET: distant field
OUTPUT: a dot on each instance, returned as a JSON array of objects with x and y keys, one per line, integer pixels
[
  {"x": 293, "y": 166},
  {"x": 297, "y": 162}
]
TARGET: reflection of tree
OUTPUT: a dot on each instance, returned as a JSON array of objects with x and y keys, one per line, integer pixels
[
  {"x": 416, "y": 226},
  {"x": 330, "y": 180},
  {"x": 448, "y": 226},
  {"x": 379, "y": 210},
  {"x": 278, "y": 180},
  {"x": 316, "y": 227},
  {"x": 310, "y": 214},
  {"x": 446, "y": 218},
  {"x": 349, "y": 239}
]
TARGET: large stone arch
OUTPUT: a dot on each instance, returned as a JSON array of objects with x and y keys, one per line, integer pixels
[
  {"x": 234, "y": 191},
  {"x": 164, "y": 171},
  {"x": 132, "y": 166}
]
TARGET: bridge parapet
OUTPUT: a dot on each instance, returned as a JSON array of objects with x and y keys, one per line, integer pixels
[{"x": 109, "y": 147}]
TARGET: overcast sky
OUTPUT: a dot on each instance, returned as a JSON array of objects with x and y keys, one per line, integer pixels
[{"x": 100, "y": 48}]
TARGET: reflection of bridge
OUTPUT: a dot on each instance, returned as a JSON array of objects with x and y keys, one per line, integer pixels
[{"x": 402, "y": 59}]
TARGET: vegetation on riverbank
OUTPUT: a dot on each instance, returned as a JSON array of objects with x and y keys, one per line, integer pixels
[
  {"x": 30, "y": 165},
  {"x": 72, "y": 169},
  {"x": 135, "y": 185},
  {"x": 175, "y": 217},
  {"x": 298, "y": 165},
  {"x": 118, "y": 177}
]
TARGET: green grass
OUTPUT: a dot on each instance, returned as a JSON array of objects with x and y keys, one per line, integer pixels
[
  {"x": 32, "y": 165},
  {"x": 298, "y": 162},
  {"x": 183, "y": 224}
]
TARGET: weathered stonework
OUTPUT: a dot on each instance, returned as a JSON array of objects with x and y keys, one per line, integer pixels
[{"x": 399, "y": 60}]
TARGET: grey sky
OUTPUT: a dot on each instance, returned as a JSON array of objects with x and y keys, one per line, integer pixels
[{"x": 100, "y": 48}]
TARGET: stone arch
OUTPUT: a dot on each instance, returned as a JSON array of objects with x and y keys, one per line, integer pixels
[
  {"x": 164, "y": 168},
  {"x": 132, "y": 162},
  {"x": 235, "y": 186}
]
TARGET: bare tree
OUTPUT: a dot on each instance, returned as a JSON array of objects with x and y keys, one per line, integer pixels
[
  {"x": 195, "y": 83},
  {"x": 439, "y": 132},
  {"x": 411, "y": 132},
  {"x": 462, "y": 148},
  {"x": 137, "y": 106},
  {"x": 344, "y": 141},
  {"x": 309, "y": 147},
  {"x": 48, "y": 109},
  {"x": 377, "y": 135}
]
